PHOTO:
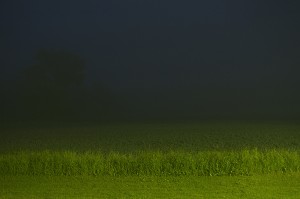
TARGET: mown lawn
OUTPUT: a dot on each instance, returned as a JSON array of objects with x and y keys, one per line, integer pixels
[{"x": 262, "y": 186}]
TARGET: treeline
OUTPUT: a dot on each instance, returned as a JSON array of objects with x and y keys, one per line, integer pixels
[{"x": 54, "y": 88}]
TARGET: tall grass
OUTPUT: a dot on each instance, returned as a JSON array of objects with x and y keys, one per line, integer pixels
[{"x": 174, "y": 163}]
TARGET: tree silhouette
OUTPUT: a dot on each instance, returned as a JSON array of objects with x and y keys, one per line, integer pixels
[{"x": 50, "y": 86}]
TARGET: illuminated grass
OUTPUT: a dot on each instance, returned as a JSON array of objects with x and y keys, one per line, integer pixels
[{"x": 150, "y": 163}]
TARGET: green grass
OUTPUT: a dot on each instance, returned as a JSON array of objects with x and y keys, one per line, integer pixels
[
  {"x": 88, "y": 187},
  {"x": 173, "y": 163},
  {"x": 151, "y": 160}
]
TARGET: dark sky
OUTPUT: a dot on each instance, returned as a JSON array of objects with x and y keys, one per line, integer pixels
[{"x": 229, "y": 50}]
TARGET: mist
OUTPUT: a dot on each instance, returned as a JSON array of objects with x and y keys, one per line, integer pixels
[{"x": 160, "y": 60}]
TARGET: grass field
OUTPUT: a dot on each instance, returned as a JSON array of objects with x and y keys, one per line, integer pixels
[
  {"x": 232, "y": 187},
  {"x": 151, "y": 160},
  {"x": 173, "y": 163},
  {"x": 128, "y": 137}
]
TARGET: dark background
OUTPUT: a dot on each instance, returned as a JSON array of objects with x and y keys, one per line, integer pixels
[{"x": 141, "y": 59}]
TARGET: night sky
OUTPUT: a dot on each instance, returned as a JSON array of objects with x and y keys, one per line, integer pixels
[{"x": 206, "y": 59}]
